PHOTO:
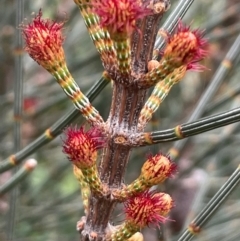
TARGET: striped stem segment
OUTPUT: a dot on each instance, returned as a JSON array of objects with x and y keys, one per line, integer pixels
[
  {"x": 190, "y": 129},
  {"x": 109, "y": 54},
  {"x": 22, "y": 173},
  {"x": 99, "y": 36},
  {"x": 123, "y": 50},
  {"x": 53, "y": 131},
  {"x": 137, "y": 186},
  {"x": 126, "y": 230},
  {"x": 72, "y": 90},
  {"x": 91, "y": 177},
  {"x": 196, "y": 226},
  {"x": 85, "y": 190},
  {"x": 159, "y": 93}
]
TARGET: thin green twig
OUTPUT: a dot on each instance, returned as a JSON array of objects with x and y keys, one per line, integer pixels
[
  {"x": 172, "y": 21},
  {"x": 27, "y": 167},
  {"x": 197, "y": 224},
  {"x": 18, "y": 99},
  {"x": 192, "y": 128},
  {"x": 51, "y": 132}
]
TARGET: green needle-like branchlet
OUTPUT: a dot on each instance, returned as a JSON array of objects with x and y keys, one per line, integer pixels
[
  {"x": 197, "y": 224},
  {"x": 53, "y": 131},
  {"x": 22, "y": 173}
]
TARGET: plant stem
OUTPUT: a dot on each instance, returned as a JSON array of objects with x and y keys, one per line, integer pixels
[{"x": 125, "y": 109}]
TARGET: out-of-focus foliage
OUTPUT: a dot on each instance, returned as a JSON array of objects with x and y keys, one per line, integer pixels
[{"x": 49, "y": 202}]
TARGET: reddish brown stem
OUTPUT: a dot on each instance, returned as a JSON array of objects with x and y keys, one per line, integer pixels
[
  {"x": 127, "y": 102},
  {"x": 123, "y": 119}
]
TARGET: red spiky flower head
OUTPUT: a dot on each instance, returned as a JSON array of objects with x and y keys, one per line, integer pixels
[
  {"x": 120, "y": 16},
  {"x": 44, "y": 41},
  {"x": 185, "y": 47},
  {"x": 148, "y": 208},
  {"x": 157, "y": 168},
  {"x": 81, "y": 147}
]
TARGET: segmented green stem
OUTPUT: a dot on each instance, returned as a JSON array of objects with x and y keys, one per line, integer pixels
[
  {"x": 80, "y": 101},
  {"x": 122, "y": 47},
  {"x": 99, "y": 36},
  {"x": 18, "y": 102},
  {"x": 190, "y": 129},
  {"x": 92, "y": 178},
  {"x": 28, "y": 166},
  {"x": 137, "y": 186},
  {"x": 159, "y": 93},
  {"x": 159, "y": 73},
  {"x": 92, "y": 24},
  {"x": 53, "y": 131},
  {"x": 85, "y": 190},
  {"x": 197, "y": 224},
  {"x": 125, "y": 231}
]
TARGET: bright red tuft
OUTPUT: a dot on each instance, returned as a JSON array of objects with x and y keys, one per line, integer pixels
[
  {"x": 81, "y": 147},
  {"x": 157, "y": 168},
  {"x": 148, "y": 208},
  {"x": 186, "y": 47},
  {"x": 120, "y": 16},
  {"x": 44, "y": 41}
]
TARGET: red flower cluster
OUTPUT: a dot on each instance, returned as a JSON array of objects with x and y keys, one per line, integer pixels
[
  {"x": 186, "y": 47},
  {"x": 120, "y": 16},
  {"x": 44, "y": 41},
  {"x": 81, "y": 147},
  {"x": 148, "y": 208}
]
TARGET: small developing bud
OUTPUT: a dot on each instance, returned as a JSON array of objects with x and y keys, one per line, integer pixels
[
  {"x": 156, "y": 169},
  {"x": 148, "y": 208},
  {"x": 152, "y": 64},
  {"x": 185, "y": 47},
  {"x": 44, "y": 40},
  {"x": 120, "y": 16},
  {"x": 81, "y": 147},
  {"x": 30, "y": 164}
]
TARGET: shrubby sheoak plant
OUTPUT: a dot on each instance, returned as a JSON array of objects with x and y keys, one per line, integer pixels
[
  {"x": 142, "y": 73},
  {"x": 124, "y": 33}
]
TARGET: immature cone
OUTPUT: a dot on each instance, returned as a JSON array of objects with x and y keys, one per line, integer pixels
[
  {"x": 157, "y": 169},
  {"x": 185, "y": 47},
  {"x": 147, "y": 208},
  {"x": 81, "y": 148},
  {"x": 44, "y": 40}
]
